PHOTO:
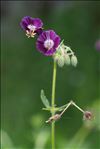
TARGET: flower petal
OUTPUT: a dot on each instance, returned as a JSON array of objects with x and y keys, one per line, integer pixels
[
  {"x": 40, "y": 47},
  {"x": 52, "y": 35},
  {"x": 50, "y": 52},
  {"x": 37, "y": 22},
  {"x": 56, "y": 41}
]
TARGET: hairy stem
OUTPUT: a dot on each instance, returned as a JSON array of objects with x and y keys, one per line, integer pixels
[{"x": 53, "y": 105}]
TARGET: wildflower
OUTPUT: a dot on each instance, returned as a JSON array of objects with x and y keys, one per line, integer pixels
[
  {"x": 31, "y": 25},
  {"x": 87, "y": 115},
  {"x": 47, "y": 42},
  {"x": 97, "y": 45}
]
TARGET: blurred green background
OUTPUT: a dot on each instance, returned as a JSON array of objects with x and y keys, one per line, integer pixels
[{"x": 24, "y": 72}]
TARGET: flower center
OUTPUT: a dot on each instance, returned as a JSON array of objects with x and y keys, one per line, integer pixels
[
  {"x": 31, "y": 27},
  {"x": 48, "y": 44},
  {"x": 31, "y": 31}
]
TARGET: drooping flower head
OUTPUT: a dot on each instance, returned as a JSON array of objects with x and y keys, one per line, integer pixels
[
  {"x": 87, "y": 115},
  {"x": 47, "y": 42},
  {"x": 31, "y": 25}
]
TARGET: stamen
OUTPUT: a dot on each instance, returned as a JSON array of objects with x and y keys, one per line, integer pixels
[
  {"x": 30, "y": 33},
  {"x": 48, "y": 44},
  {"x": 31, "y": 27}
]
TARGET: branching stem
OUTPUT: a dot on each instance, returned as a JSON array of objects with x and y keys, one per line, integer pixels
[{"x": 73, "y": 104}]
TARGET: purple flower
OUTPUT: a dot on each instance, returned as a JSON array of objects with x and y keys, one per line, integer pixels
[
  {"x": 97, "y": 45},
  {"x": 31, "y": 25},
  {"x": 47, "y": 42}
]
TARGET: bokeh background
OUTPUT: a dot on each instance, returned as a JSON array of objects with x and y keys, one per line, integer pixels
[{"x": 24, "y": 72}]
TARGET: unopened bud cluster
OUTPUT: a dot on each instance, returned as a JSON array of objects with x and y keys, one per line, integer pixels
[{"x": 64, "y": 55}]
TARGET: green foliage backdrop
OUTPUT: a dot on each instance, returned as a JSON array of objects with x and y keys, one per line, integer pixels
[{"x": 24, "y": 72}]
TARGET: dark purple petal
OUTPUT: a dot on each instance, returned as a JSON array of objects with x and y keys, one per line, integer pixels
[
  {"x": 52, "y": 35},
  {"x": 23, "y": 25},
  {"x": 42, "y": 37},
  {"x": 40, "y": 47},
  {"x": 57, "y": 41},
  {"x": 50, "y": 52},
  {"x": 28, "y": 19},
  {"x": 37, "y": 22},
  {"x": 39, "y": 31},
  {"x": 46, "y": 34}
]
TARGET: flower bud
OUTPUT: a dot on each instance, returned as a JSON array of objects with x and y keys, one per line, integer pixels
[
  {"x": 74, "y": 60},
  {"x": 66, "y": 48},
  {"x": 60, "y": 61},
  {"x": 67, "y": 59}
]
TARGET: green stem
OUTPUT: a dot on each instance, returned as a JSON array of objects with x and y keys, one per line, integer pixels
[{"x": 53, "y": 105}]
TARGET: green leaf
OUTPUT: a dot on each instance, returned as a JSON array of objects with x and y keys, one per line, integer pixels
[{"x": 44, "y": 99}]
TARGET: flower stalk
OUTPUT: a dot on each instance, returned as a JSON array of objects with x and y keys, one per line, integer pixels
[{"x": 53, "y": 104}]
